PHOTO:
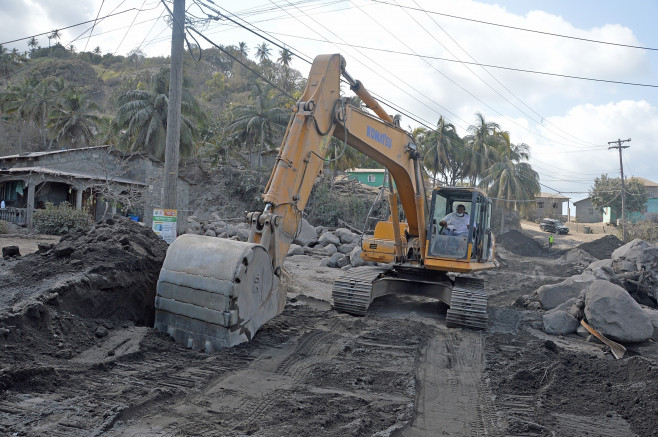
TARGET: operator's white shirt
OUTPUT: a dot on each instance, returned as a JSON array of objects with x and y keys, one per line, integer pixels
[{"x": 459, "y": 224}]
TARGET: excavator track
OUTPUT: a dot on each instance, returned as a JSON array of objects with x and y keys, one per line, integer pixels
[
  {"x": 352, "y": 292},
  {"x": 468, "y": 305}
]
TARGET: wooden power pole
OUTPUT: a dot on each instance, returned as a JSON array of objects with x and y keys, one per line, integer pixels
[
  {"x": 172, "y": 151},
  {"x": 623, "y": 185}
]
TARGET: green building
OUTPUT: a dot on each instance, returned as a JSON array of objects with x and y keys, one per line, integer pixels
[{"x": 368, "y": 176}]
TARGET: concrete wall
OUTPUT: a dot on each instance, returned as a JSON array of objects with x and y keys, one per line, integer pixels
[
  {"x": 546, "y": 207},
  {"x": 586, "y": 213}
]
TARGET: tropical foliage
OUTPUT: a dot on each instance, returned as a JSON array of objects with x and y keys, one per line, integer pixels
[
  {"x": 142, "y": 117},
  {"x": 606, "y": 192}
]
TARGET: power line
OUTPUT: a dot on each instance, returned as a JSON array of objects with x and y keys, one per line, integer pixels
[
  {"x": 73, "y": 25},
  {"x": 524, "y": 29}
]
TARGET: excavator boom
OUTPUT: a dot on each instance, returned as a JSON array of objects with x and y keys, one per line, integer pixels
[{"x": 213, "y": 292}]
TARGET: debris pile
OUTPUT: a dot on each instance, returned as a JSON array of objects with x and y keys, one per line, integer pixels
[
  {"x": 617, "y": 296},
  {"x": 519, "y": 243},
  {"x": 603, "y": 247},
  {"x": 89, "y": 279}
]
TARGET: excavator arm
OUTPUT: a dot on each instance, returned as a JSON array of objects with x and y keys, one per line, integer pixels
[{"x": 213, "y": 292}]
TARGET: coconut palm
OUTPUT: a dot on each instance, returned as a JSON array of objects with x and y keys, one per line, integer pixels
[
  {"x": 482, "y": 143},
  {"x": 56, "y": 35},
  {"x": 97, "y": 50},
  {"x": 142, "y": 116},
  {"x": 40, "y": 102},
  {"x": 33, "y": 44},
  {"x": 259, "y": 123},
  {"x": 15, "y": 102},
  {"x": 74, "y": 120},
  {"x": 242, "y": 49},
  {"x": 285, "y": 56},
  {"x": 443, "y": 153},
  {"x": 509, "y": 179},
  {"x": 263, "y": 52}
]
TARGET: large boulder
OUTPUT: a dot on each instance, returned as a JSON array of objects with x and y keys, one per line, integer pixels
[
  {"x": 332, "y": 261},
  {"x": 346, "y": 248},
  {"x": 652, "y": 314},
  {"x": 329, "y": 238},
  {"x": 295, "y": 249},
  {"x": 577, "y": 257},
  {"x": 611, "y": 310},
  {"x": 559, "y": 323},
  {"x": 331, "y": 249},
  {"x": 552, "y": 295},
  {"x": 635, "y": 255},
  {"x": 306, "y": 235},
  {"x": 345, "y": 235},
  {"x": 355, "y": 257}
]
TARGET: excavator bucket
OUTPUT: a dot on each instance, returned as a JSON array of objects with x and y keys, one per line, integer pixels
[{"x": 214, "y": 293}]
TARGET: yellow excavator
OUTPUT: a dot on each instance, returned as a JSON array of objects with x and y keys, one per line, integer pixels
[{"x": 214, "y": 293}]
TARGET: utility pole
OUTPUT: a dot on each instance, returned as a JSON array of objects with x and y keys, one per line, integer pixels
[
  {"x": 172, "y": 150},
  {"x": 623, "y": 184}
]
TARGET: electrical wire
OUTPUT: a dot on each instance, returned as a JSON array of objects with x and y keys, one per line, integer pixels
[{"x": 525, "y": 29}]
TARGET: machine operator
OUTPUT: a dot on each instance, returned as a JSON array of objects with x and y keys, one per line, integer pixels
[{"x": 456, "y": 223}]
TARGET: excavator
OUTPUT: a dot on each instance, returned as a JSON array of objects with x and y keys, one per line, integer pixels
[{"x": 214, "y": 293}]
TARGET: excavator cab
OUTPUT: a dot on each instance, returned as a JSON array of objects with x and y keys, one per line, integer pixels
[{"x": 472, "y": 247}]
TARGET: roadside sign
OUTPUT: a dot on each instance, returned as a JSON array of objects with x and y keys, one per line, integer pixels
[{"x": 164, "y": 224}]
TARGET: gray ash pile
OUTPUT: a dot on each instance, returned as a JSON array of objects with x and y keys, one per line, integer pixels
[
  {"x": 98, "y": 278},
  {"x": 519, "y": 244},
  {"x": 603, "y": 247}
]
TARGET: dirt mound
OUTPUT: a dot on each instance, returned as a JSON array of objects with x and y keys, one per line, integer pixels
[
  {"x": 520, "y": 244},
  {"x": 58, "y": 299},
  {"x": 603, "y": 247}
]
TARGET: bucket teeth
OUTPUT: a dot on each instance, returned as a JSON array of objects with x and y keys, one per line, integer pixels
[{"x": 468, "y": 305}]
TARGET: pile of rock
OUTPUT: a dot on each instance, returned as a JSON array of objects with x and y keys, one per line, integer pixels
[
  {"x": 616, "y": 296},
  {"x": 338, "y": 248}
]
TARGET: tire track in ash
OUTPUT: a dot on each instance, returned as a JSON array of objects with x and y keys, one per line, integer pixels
[
  {"x": 234, "y": 402},
  {"x": 453, "y": 399}
]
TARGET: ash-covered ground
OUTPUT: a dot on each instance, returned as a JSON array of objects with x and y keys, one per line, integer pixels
[{"x": 78, "y": 357}]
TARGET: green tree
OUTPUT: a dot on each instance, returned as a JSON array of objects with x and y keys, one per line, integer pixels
[
  {"x": 14, "y": 101},
  {"x": 56, "y": 35},
  {"x": 242, "y": 49},
  {"x": 8, "y": 62},
  {"x": 606, "y": 192},
  {"x": 509, "y": 179},
  {"x": 142, "y": 115},
  {"x": 263, "y": 52},
  {"x": 74, "y": 119},
  {"x": 259, "y": 122},
  {"x": 444, "y": 154},
  {"x": 482, "y": 142},
  {"x": 33, "y": 44},
  {"x": 40, "y": 102}
]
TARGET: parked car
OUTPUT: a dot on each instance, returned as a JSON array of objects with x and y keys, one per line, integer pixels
[{"x": 553, "y": 226}]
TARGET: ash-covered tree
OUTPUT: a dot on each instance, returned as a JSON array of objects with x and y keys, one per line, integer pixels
[{"x": 606, "y": 192}]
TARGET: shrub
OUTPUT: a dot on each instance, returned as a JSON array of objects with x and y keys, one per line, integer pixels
[
  {"x": 61, "y": 219},
  {"x": 646, "y": 230},
  {"x": 3, "y": 227}
]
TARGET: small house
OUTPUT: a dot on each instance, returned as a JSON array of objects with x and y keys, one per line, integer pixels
[{"x": 100, "y": 179}]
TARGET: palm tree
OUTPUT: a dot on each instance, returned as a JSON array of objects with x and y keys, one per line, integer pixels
[
  {"x": 509, "y": 179},
  {"x": 97, "y": 50},
  {"x": 15, "y": 102},
  {"x": 56, "y": 35},
  {"x": 242, "y": 49},
  {"x": 142, "y": 116},
  {"x": 71, "y": 48},
  {"x": 258, "y": 123},
  {"x": 6, "y": 63},
  {"x": 74, "y": 119},
  {"x": 33, "y": 44},
  {"x": 482, "y": 142},
  {"x": 443, "y": 153},
  {"x": 40, "y": 102},
  {"x": 285, "y": 56},
  {"x": 263, "y": 52}
]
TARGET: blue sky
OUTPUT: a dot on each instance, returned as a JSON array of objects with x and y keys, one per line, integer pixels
[{"x": 567, "y": 122}]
